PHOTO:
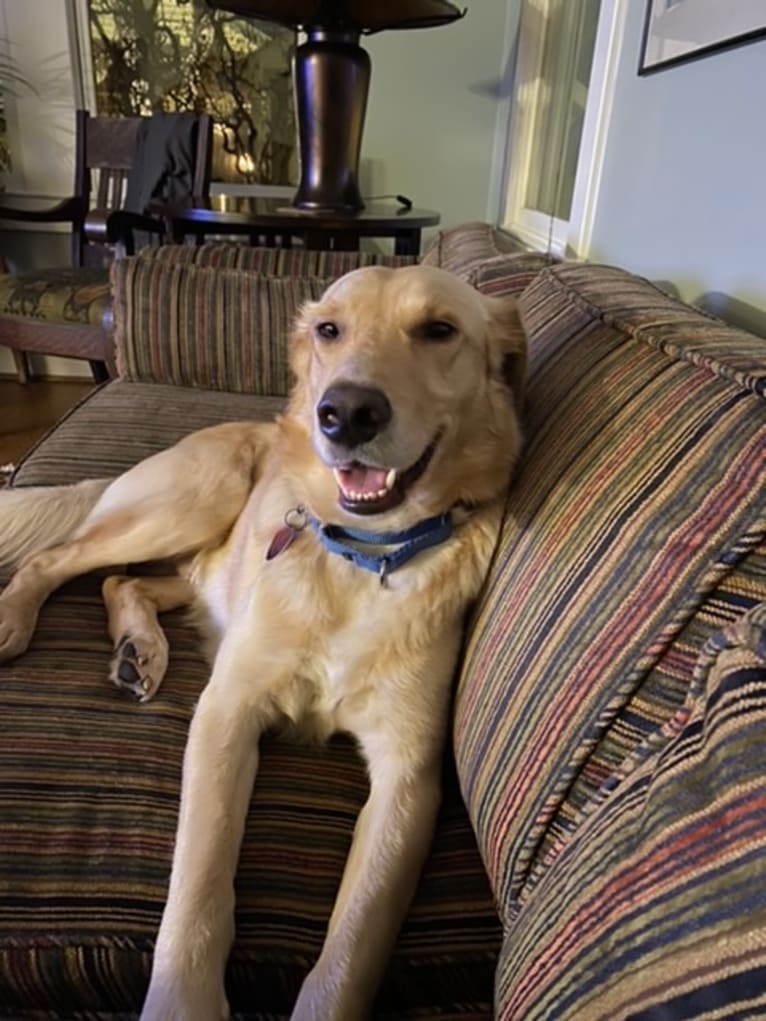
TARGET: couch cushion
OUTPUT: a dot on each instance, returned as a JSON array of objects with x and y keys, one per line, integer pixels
[
  {"x": 57, "y": 295},
  {"x": 89, "y": 787},
  {"x": 641, "y": 497},
  {"x": 218, "y": 316},
  {"x": 119, "y": 423}
]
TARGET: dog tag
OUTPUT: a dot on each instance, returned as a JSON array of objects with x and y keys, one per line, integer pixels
[
  {"x": 295, "y": 522},
  {"x": 280, "y": 542}
]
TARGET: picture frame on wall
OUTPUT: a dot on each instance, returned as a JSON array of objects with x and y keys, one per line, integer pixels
[{"x": 677, "y": 31}]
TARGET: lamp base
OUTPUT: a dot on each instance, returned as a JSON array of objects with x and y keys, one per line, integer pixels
[{"x": 332, "y": 78}]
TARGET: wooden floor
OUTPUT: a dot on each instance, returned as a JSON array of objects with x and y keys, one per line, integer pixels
[{"x": 28, "y": 410}]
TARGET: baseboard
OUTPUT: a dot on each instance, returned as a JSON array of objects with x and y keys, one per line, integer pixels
[{"x": 11, "y": 377}]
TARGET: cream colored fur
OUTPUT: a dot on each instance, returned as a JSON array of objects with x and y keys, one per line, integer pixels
[
  {"x": 46, "y": 515},
  {"x": 305, "y": 636}
]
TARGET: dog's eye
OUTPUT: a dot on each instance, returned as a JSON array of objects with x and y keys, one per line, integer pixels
[
  {"x": 437, "y": 329},
  {"x": 328, "y": 331}
]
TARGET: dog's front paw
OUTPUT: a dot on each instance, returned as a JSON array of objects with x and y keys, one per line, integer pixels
[
  {"x": 139, "y": 664},
  {"x": 17, "y": 625}
]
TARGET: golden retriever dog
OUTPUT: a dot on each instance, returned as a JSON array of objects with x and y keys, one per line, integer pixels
[{"x": 333, "y": 553}]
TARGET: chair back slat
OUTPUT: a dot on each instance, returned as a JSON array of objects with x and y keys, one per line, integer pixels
[
  {"x": 111, "y": 142},
  {"x": 101, "y": 189}
]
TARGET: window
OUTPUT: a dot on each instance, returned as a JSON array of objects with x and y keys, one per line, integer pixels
[
  {"x": 7, "y": 72},
  {"x": 564, "y": 73},
  {"x": 12, "y": 81},
  {"x": 144, "y": 55}
]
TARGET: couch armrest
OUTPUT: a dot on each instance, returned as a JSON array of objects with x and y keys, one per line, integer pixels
[
  {"x": 628, "y": 535},
  {"x": 218, "y": 329}
]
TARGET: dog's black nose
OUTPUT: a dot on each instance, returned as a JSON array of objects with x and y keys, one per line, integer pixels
[{"x": 350, "y": 415}]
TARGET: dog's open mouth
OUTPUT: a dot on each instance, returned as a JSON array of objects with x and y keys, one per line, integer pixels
[{"x": 363, "y": 489}]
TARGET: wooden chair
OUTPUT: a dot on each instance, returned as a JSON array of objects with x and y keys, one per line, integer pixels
[{"x": 67, "y": 311}]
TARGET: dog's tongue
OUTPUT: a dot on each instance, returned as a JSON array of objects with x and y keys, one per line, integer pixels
[{"x": 362, "y": 480}]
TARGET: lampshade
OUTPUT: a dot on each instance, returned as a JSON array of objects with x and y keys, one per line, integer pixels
[{"x": 359, "y": 15}]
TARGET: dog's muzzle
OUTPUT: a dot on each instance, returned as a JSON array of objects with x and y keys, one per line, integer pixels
[{"x": 350, "y": 416}]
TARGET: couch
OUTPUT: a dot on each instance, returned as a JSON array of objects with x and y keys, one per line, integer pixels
[{"x": 601, "y": 848}]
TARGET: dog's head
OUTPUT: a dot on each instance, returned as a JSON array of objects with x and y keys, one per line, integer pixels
[{"x": 409, "y": 383}]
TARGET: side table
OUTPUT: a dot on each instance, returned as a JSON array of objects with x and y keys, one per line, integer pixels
[{"x": 268, "y": 221}]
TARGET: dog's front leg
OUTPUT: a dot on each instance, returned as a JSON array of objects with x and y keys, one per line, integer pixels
[
  {"x": 198, "y": 922},
  {"x": 391, "y": 841}
]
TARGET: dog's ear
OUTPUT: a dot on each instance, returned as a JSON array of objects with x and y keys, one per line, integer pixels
[
  {"x": 508, "y": 346},
  {"x": 299, "y": 352}
]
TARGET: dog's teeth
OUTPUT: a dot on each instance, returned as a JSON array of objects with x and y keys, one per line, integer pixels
[
  {"x": 365, "y": 497},
  {"x": 352, "y": 495}
]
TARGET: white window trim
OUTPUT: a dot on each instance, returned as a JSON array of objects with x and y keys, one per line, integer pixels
[
  {"x": 82, "y": 61},
  {"x": 522, "y": 127},
  {"x": 571, "y": 237},
  {"x": 598, "y": 112}
]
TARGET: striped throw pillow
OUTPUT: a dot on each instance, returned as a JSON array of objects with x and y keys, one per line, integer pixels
[
  {"x": 278, "y": 262},
  {"x": 220, "y": 329}
]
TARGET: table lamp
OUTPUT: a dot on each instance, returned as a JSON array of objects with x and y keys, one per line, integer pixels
[{"x": 332, "y": 77}]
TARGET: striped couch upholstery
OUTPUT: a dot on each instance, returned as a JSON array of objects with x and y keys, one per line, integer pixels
[
  {"x": 601, "y": 852},
  {"x": 610, "y": 717}
]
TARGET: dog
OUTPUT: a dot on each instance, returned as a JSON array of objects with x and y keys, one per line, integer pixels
[{"x": 334, "y": 553}]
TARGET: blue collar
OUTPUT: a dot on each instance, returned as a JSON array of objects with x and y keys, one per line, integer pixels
[{"x": 408, "y": 543}]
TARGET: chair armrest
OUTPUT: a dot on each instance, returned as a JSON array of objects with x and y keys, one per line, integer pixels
[
  {"x": 69, "y": 210},
  {"x": 121, "y": 228}
]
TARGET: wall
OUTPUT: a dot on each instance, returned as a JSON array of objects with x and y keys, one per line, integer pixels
[
  {"x": 683, "y": 198},
  {"x": 438, "y": 107},
  {"x": 35, "y": 36}
]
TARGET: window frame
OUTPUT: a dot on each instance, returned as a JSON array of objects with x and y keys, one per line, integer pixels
[
  {"x": 79, "y": 30},
  {"x": 571, "y": 237},
  {"x": 82, "y": 60}
]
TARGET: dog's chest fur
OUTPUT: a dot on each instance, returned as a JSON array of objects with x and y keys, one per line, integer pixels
[{"x": 324, "y": 633}]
